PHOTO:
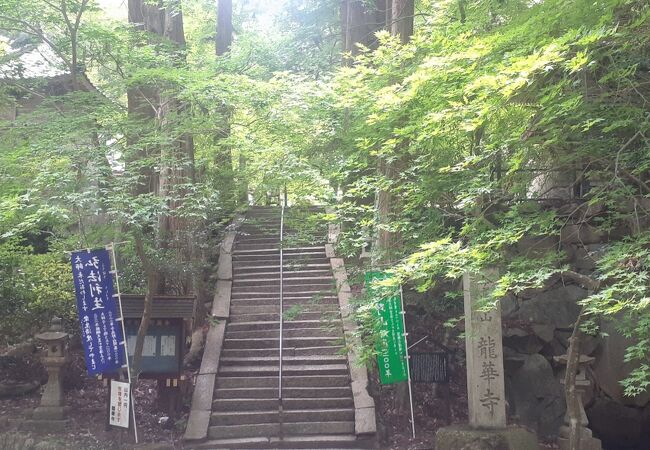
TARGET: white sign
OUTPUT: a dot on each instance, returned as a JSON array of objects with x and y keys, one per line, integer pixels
[
  {"x": 119, "y": 407},
  {"x": 149, "y": 348},
  {"x": 168, "y": 345}
]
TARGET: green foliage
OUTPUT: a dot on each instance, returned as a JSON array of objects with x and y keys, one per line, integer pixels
[
  {"x": 33, "y": 288},
  {"x": 481, "y": 116}
]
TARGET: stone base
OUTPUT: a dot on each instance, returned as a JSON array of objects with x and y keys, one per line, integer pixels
[
  {"x": 55, "y": 413},
  {"x": 464, "y": 437},
  {"x": 587, "y": 440}
]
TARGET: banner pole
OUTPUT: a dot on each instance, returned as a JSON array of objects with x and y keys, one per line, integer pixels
[
  {"x": 111, "y": 247},
  {"x": 408, "y": 368}
]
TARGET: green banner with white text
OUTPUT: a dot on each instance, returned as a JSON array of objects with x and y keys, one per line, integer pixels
[{"x": 391, "y": 348}]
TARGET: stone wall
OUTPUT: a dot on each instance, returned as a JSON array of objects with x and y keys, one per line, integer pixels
[{"x": 536, "y": 327}]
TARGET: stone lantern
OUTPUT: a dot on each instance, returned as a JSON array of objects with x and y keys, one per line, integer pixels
[
  {"x": 51, "y": 408},
  {"x": 587, "y": 440}
]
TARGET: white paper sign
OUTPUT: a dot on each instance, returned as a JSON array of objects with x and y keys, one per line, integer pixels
[
  {"x": 119, "y": 407},
  {"x": 168, "y": 345},
  {"x": 149, "y": 348},
  {"x": 130, "y": 342}
]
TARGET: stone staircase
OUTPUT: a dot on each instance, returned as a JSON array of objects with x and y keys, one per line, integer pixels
[{"x": 317, "y": 408}]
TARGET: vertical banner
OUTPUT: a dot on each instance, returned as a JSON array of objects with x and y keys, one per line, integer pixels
[
  {"x": 392, "y": 360},
  {"x": 119, "y": 404},
  {"x": 98, "y": 312}
]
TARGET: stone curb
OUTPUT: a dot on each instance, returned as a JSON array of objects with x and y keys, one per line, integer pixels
[
  {"x": 198, "y": 421},
  {"x": 364, "y": 406}
]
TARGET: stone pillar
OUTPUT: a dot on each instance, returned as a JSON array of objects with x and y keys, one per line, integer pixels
[
  {"x": 485, "y": 380},
  {"x": 484, "y": 348}
]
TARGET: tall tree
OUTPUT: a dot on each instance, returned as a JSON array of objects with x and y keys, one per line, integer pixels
[
  {"x": 225, "y": 182},
  {"x": 224, "y": 27},
  {"x": 152, "y": 109},
  {"x": 360, "y": 20},
  {"x": 401, "y": 19},
  {"x": 388, "y": 240}
]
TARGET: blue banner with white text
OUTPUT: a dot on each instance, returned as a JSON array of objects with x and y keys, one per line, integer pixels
[{"x": 98, "y": 311}]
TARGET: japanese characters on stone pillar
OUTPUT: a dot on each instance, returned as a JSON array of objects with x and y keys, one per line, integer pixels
[{"x": 485, "y": 385}]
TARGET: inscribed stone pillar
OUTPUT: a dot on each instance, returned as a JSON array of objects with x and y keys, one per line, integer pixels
[{"x": 485, "y": 381}]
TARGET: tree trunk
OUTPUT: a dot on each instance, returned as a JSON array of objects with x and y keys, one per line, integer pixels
[
  {"x": 359, "y": 23},
  {"x": 402, "y": 19},
  {"x": 224, "y": 27},
  {"x": 387, "y": 242},
  {"x": 146, "y": 106},
  {"x": 152, "y": 283},
  {"x": 225, "y": 180}
]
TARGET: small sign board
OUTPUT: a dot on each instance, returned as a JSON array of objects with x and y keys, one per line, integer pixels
[
  {"x": 429, "y": 367},
  {"x": 391, "y": 348},
  {"x": 162, "y": 352},
  {"x": 119, "y": 404}
]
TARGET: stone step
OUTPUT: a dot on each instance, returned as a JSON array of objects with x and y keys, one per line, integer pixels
[
  {"x": 311, "y": 288},
  {"x": 273, "y": 429},
  {"x": 317, "y": 249},
  {"x": 256, "y": 404},
  {"x": 259, "y": 325},
  {"x": 309, "y": 258},
  {"x": 296, "y": 342},
  {"x": 272, "y": 392},
  {"x": 288, "y": 272},
  {"x": 276, "y": 267},
  {"x": 288, "y": 351},
  {"x": 288, "y": 382},
  {"x": 238, "y": 309},
  {"x": 287, "y": 370},
  {"x": 286, "y": 295},
  {"x": 287, "y": 360},
  {"x": 273, "y": 416},
  {"x": 315, "y": 300},
  {"x": 272, "y": 238},
  {"x": 288, "y": 277},
  {"x": 291, "y": 279},
  {"x": 323, "y": 316},
  {"x": 334, "y": 333},
  {"x": 313, "y": 442},
  {"x": 267, "y": 244}
]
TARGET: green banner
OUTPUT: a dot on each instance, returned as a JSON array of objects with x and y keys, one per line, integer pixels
[{"x": 392, "y": 344}]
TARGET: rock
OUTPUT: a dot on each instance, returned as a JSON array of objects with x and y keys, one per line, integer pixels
[
  {"x": 557, "y": 307},
  {"x": 548, "y": 285},
  {"x": 509, "y": 306},
  {"x": 487, "y": 443},
  {"x": 544, "y": 331},
  {"x": 588, "y": 344},
  {"x": 536, "y": 396},
  {"x": 458, "y": 437},
  {"x": 617, "y": 426},
  {"x": 537, "y": 246},
  {"x": 610, "y": 368},
  {"x": 581, "y": 233},
  {"x": 521, "y": 341},
  {"x": 16, "y": 389}
]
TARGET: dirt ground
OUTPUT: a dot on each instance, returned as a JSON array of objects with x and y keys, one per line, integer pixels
[{"x": 88, "y": 416}]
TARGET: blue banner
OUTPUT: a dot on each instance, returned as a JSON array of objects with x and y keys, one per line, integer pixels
[{"x": 101, "y": 333}]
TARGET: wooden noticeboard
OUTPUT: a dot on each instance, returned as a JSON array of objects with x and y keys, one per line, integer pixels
[
  {"x": 164, "y": 344},
  {"x": 162, "y": 353}
]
